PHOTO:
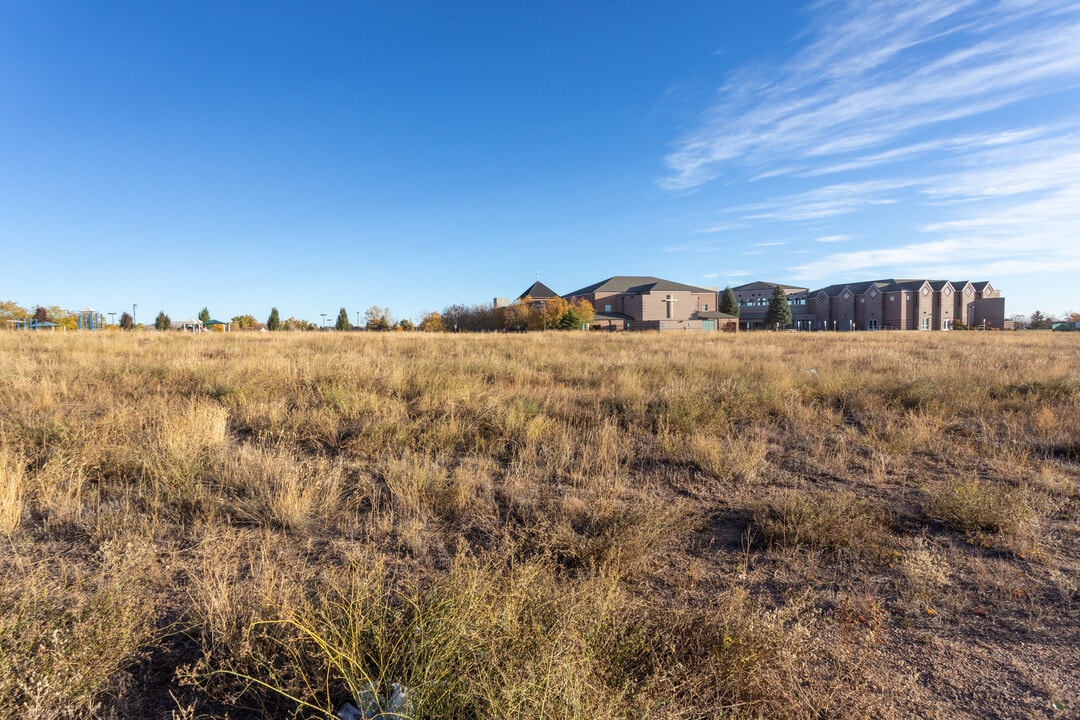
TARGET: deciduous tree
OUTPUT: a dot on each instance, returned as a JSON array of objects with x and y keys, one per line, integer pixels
[
  {"x": 126, "y": 322},
  {"x": 62, "y": 317},
  {"x": 377, "y": 318},
  {"x": 432, "y": 322},
  {"x": 11, "y": 310},
  {"x": 1037, "y": 321},
  {"x": 298, "y": 324},
  {"x": 247, "y": 322}
]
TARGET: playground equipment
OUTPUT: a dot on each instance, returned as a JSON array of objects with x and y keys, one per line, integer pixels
[{"x": 91, "y": 319}]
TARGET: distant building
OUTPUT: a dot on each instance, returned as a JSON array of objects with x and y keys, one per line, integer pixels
[
  {"x": 538, "y": 291},
  {"x": 754, "y": 297},
  {"x": 649, "y": 303},
  {"x": 906, "y": 305}
]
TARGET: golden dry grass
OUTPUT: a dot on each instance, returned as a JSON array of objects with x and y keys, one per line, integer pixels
[{"x": 546, "y": 525}]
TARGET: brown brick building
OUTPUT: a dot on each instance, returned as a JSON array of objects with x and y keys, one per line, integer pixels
[
  {"x": 906, "y": 305},
  {"x": 648, "y": 303}
]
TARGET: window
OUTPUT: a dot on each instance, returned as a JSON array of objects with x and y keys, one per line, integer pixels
[
  {"x": 846, "y": 295},
  {"x": 873, "y": 293},
  {"x": 924, "y": 323},
  {"x": 946, "y": 324},
  {"x": 871, "y": 324},
  {"x": 892, "y": 298},
  {"x": 705, "y": 307},
  {"x": 925, "y": 291},
  {"x": 947, "y": 291},
  {"x": 607, "y": 308}
]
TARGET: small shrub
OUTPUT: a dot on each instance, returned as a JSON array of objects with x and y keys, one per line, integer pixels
[
  {"x": 838, "y": 522},
  {"x": 974, "y": 506}
]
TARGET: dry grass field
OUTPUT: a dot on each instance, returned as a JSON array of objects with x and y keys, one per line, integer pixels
[{"x": 540, "y": 526}]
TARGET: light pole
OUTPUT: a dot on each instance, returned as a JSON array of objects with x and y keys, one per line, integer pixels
[
  {"x": 112, "y": 318},
  {"x": 358, "y": 319},
  {"x": 323, "y": 320},
  {"x": 133, "y": 306}
]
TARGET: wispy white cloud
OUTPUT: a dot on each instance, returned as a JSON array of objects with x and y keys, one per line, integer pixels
[
  {"x": 942, "y": 137},
  {"x": 876, "y": 73},
  {"x": 823, "y": 202},
  {"x": 1016, "y": 238},
  {"x": 693, "y": 247},
  {"x": 723, "y": 227}
]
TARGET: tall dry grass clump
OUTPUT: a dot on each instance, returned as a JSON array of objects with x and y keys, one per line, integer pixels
[{"x": 12, "y": 492}]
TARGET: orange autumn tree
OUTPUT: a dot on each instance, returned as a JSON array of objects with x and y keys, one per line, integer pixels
[{"x": 547, "y": 314}]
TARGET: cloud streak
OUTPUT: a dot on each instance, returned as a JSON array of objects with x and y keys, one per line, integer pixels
[
  {"x": 876, "y": 73},
  {"x": 943, "y": 136}
]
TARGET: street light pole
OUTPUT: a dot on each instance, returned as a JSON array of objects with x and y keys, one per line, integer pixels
[
  {"x": 133, "y": 306},
  {"x": 323, "y": 320}
]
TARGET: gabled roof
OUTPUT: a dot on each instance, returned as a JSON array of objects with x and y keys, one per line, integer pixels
[
  {"x": 906, "y": 284},
  {"x": 637, "y": 285},
  {"x": 765, "y": 285},
  {"x": 538, "y": 291},
  {"x": 861, "y": 288}
]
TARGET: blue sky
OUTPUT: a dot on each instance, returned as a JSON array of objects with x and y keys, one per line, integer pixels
[{"x": 412, "y": 155}]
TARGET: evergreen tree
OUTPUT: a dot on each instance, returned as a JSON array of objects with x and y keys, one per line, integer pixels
[
  {"x": 162, "y": 322},
  {"x": 342, "y": 321},
  {"x": 778, "y": 313},
  {"x": 569, "y": 320},
  {"x": 204, "y": 315},
  {"x": 729, "y": 304},
  {"x": 274, "y": 322}
]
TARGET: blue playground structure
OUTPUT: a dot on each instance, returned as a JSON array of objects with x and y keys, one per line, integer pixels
[{"x": 91, "y": 319}]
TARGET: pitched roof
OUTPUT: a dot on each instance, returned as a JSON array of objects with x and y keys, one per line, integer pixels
[
  {"x": 538, "y": 291},
  {"x": 637, "y": 285},
  {"x": 765, "y": 285}
]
